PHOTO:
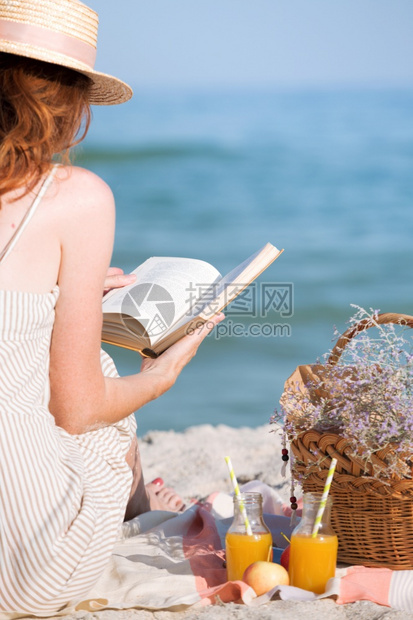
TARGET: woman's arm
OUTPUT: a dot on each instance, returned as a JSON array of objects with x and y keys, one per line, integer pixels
[{"x": 81, "y": 397}]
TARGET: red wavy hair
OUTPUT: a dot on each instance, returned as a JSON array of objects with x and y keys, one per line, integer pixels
[{"x": 44, "y": 111}]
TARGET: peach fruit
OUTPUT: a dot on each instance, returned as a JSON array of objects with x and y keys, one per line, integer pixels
[{"x": 263, "y": 576}]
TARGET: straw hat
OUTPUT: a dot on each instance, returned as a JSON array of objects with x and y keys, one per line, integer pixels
[{"x": 62, "y": 32}]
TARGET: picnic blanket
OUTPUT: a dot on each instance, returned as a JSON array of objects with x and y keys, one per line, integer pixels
[{"x": 171, "y": 561}]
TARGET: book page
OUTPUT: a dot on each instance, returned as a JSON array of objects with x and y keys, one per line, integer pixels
[
  {"x": 165, "y": 291},
  {"x": 226, "y": 289},
  {"x": 220, "y": 287}
]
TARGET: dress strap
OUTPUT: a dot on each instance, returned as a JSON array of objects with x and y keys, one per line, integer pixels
[{"x": 28, "y": 215}]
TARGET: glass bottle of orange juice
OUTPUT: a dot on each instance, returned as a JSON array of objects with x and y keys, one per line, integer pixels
[
  {"x": 313, "y": 559},
  {"x": 248, "y": 539}
]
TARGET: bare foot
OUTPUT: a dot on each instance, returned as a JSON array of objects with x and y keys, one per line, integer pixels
[
  {"x": 162, "y": 497},
  {"x": 153, "y": 496}
]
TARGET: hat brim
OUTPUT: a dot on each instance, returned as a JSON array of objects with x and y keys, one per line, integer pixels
[{"x": 105, "y": 89}]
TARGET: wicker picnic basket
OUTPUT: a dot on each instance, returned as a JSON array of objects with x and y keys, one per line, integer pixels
[{"x": 373, "y": 518}]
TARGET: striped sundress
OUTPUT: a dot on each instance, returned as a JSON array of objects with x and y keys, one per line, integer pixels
[{"x": 62, "y": 496}]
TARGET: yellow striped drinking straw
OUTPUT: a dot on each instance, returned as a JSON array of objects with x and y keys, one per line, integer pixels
[
  {"x": 324, "y": 497},
  {"x": 238, "y": 494}
]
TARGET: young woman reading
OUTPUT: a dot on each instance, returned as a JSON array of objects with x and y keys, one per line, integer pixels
[{"x": 69, "y": 465}]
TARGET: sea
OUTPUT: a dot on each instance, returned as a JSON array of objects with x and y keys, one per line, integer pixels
[{"x": 327, "y": 175}]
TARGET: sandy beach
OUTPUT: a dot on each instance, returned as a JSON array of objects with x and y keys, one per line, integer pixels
[{"x": 193, "y": 462}]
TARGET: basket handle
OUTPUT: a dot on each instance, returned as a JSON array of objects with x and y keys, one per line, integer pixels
[{"x": 381, "y": 319}]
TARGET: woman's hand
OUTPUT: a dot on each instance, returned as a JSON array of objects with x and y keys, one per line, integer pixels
[
  {"x": 115, "y": 278},
  {"x": 172, "y": 361}
]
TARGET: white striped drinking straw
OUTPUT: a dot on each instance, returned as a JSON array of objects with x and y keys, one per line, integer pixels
[
  {"x": 238, "y": 494},
  {"x": 324, "y": 497}
]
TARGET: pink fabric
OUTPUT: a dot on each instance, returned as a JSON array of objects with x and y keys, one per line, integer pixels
[
  {"x": 202, "y": 545},
  {"x": 18, "y": 32},
  {"x": 365, "y": 584}
]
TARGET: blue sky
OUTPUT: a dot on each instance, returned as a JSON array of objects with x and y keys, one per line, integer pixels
[{"x": 293, "y": 43}]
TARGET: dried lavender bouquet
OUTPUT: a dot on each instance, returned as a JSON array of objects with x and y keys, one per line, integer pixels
[{"x": 366, "y": 397}]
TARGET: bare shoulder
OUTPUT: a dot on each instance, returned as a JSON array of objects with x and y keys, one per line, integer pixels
[
  {"x": 82, "y": 203},
  {"x": 83, "y": 189}
]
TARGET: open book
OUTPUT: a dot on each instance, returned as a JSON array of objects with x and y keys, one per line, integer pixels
[{"x": 173, "y": 296}]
